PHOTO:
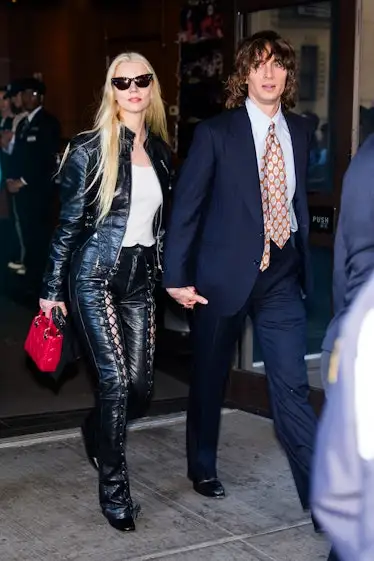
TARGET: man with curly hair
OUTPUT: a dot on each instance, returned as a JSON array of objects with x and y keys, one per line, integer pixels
[{"x": 237, "y": 245}]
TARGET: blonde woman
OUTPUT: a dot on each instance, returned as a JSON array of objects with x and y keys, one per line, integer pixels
[{"x": 106, "y": 248}]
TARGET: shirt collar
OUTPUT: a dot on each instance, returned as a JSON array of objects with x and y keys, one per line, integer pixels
[
  {"x": 31, "y": 115},
  {"x": 259, "y": 120}
]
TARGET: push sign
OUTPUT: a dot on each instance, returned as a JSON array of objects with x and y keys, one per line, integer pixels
[{"x": 322, "y": 219}]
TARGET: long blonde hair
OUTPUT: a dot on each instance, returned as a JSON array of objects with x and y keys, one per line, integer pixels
[{"x": 107, "y": 125}]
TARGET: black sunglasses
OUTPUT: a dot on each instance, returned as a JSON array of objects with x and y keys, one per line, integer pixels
[{"x": 141, "y": 81}]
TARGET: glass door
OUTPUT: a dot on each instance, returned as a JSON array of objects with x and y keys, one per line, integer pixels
[
  {"x": 364, "y": 77},
  {"x": 316, "y": 31}
]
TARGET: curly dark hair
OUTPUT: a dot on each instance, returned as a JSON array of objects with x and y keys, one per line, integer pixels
[{"x": 249, "y": 55}]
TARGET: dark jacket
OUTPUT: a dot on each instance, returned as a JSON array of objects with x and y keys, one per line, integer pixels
[
  {"x": 354, "y": 240},
  {"x": 215, "y": 237},
  {"x": 98, "y": 246},
  {"x": 34, "y": 156}
]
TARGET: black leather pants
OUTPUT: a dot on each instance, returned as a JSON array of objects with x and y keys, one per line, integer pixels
[{"x": 116, "y": 318}]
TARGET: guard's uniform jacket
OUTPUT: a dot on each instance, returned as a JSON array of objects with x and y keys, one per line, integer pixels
[
  {"x": 34, "y": 160},
  {"x": 34, "y": 154},
  {"x": 343, "y": 475}
]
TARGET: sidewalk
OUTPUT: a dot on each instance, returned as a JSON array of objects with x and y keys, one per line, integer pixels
[{"x": 49, "y": 509}]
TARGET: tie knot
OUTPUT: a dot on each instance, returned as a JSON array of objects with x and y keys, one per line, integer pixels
[{"x": 272, "y": 128}]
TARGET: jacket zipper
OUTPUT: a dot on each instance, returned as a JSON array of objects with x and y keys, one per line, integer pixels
[
  {"x": 158, "y": 229},
  {"x": 124, "y": 234},
  {"x": 158, "y": 242}
]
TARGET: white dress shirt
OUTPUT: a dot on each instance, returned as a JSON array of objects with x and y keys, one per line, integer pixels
[
  {"x": 31, "y": 115},
  {"x": 260, "y": 127}
]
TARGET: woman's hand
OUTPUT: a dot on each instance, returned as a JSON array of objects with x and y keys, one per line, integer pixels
[{"x": 47, "y": 306}]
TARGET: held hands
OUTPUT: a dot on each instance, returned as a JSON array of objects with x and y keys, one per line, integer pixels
[
  {"x": 47, "y": 306},
  {"x": 187, "y": 296}
]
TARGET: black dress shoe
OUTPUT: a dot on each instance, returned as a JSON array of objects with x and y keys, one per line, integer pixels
[
  {"x": 210, "y": 488},
  {"x": 127, "y": 523}
]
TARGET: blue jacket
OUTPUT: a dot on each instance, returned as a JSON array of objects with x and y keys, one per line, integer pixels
[
  {"x": 215, "y": 238},
  {"x": 354, "y": 241}
]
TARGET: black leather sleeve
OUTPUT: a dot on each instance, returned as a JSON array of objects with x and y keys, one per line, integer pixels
[{"x": 72, "y": 195}]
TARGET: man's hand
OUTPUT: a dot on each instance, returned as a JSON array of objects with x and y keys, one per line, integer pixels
[
  {"x": 14, "y": 185},
  {"x": 187, "y": 296}
]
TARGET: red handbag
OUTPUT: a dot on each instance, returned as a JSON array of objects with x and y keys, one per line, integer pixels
[{"x": 44, "y": 343}]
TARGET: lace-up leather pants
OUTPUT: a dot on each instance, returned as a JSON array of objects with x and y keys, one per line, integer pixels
[{"x": 116, "y": 317}]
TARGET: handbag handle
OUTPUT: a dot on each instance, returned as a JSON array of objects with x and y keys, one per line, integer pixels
[
  {"x": 47, "y": 330},
  {"x": 38, "y": 318}
]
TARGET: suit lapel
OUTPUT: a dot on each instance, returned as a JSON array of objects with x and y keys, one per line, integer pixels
[
  {"x": 298, "y": 146},
  {"x": 300, "y": 154},
  {"x": 38, "y": 117},
  {"x": 245, "y": 165}
]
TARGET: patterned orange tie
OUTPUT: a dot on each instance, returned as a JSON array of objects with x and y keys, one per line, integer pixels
[{"x": 274, "y": 196}]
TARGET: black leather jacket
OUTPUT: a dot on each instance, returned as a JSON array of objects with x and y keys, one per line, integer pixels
[{"x": 99, "y": 245}]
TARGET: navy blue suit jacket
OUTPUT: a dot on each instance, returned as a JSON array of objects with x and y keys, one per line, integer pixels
[
  {"x": 215, "y": 238},
  {"x": 354, "y": 240}
]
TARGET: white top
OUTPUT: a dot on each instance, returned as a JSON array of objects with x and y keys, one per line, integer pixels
[
  {"x": 31, "y": 115},
  {"x": 260, "y": 127},
  {"x": 146, "y": 199}
]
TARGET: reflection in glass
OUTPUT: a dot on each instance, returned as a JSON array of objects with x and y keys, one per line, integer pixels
[
  {"x": 201, "y": 89},
  {"x": 366, "y": 82}
]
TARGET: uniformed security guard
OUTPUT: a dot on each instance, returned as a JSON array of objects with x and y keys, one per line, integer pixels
[
  {"x": 343, "y": 474},
  {"x": 32, "y": 165},
  {"x": 12, "y": 97},
  {"x": 6, "y": 122}
]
